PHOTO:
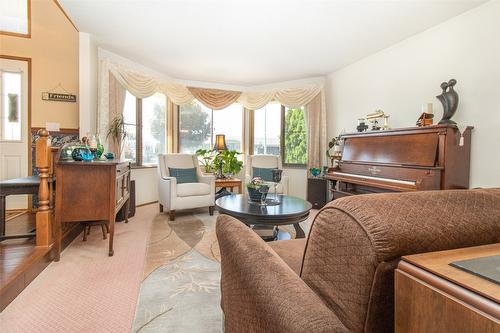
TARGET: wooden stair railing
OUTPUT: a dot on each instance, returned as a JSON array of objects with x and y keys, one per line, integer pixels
[{"x": 44, "y": 215}]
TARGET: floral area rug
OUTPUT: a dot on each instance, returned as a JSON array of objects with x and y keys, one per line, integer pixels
[{"x": 180, "y": 291}]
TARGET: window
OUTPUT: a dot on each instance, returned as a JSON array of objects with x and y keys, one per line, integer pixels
[
  {"x": 267, "y": 130},
  {"x": 279, "y": 130},
  {"x": 198, "y": 126},
  {"x": 145, "y": 124},
  {"x": 11, "y": 126},
  {"x": 14, "y": 17},
  {"x": 294, "y": 136},
  {"x": 229, "y": 121},
  {"x": 130, "y": 119},
  {"x": 154, "y": 127},
  {"x": 195, "y": 127}
]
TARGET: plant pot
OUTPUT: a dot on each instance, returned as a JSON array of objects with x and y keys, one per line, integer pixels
[{"x": 255, "y": 195}]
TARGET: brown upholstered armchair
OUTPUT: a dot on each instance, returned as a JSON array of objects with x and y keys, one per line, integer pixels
[{"x": 342, "y": 278}]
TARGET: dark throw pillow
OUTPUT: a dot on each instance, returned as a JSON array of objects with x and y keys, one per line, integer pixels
[
  {"x": 184, "y": 175},
  {"x": 265, "y": 173}
]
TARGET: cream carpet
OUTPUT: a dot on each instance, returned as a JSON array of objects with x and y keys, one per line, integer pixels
[{"x": 86, "y": 291}]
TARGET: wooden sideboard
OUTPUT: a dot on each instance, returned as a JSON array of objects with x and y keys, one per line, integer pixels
[
  {"x": 90, "y": 191},
  {"x": 432, "y": 296}
]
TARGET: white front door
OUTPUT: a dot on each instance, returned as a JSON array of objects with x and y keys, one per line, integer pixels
[{"x": 14, "y": 137}]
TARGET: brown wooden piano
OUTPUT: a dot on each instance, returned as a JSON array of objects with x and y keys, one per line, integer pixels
[{"x": 408, "y": 159}]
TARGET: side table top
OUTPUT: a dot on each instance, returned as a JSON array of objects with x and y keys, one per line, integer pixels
[
  {"x": 239, "y": 204},
  {"x": 228, "y": 181},
  {"x": 439, "y": 263}
]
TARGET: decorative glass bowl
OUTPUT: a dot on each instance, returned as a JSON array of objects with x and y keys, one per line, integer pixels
[{"x": 315, "y": 172}]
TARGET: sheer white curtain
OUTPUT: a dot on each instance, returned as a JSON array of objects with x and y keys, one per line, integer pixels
[
  {"x": 116, "y": 103},
  {"x": 315, "y": 114}
]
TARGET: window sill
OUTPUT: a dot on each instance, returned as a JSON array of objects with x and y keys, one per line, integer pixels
[
  {"x": 135, "y": 166},
  {"x": 295, "y": 166}
]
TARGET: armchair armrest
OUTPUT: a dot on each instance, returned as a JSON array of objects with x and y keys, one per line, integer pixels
[
  {"x": 260, "y": 292},
  {"x": 208, "y": 179},
  {"x": 167, "y": 189}
]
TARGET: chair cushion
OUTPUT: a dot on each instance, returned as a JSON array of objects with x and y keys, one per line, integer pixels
[
  {"x": 264, "y": 173},
  {"x": 291, "y": 251},
  {"x": 187, "y": 175},
  {"x": 192, "y": 189}
]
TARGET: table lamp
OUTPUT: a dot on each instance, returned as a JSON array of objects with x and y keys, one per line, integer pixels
[{"x": 220, "y": 145}]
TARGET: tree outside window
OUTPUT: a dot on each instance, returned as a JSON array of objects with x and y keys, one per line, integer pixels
[
  {"x": 198, "y": 126},
  {"x": 279, "y": 130},
  {"x": 195, "y": 127},
  {"x": 294, "y": 136}
]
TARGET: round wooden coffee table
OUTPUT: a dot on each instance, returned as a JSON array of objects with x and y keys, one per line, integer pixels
[{"x": 291, "y": 210}]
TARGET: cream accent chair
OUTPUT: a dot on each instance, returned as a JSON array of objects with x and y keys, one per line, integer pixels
[
  {"x": 267, "y": 161},
  {"x": 173, "y": 196}
]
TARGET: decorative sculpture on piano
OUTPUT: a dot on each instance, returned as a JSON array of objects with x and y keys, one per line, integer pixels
[
  {"x": 449, "y": 99},
  {"x": 377, "y": 116}
]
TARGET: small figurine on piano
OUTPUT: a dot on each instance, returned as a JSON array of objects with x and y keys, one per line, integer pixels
[
  {"x": 426, "y": 118},
  {"x": 374, "y": 119}
]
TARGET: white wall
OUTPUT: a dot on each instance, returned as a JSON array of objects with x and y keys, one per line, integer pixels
[
  {"x": 88, "y": 68},
  {"x": 401, "y": 78},
  {"x": 146, "y": 185}
]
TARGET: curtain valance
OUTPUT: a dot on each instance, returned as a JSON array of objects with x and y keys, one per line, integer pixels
[
  {"x": 215, "y": 98},
  {"x": 142, "y": 86},
  {"x": 311, "y": 95}
]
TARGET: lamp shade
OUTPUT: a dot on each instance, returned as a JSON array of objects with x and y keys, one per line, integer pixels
[{"x": 220, "y": 142}]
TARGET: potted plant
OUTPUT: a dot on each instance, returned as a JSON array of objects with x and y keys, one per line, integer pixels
[
  {"x": 116, "y": 130},
  {"x": 230, "y": 163},
  {"x": 206, "y": 158},
  {"x": 257, "y": 189}
]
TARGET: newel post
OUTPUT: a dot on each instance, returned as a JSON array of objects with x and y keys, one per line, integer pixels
[{"x": 43, "y": 215}]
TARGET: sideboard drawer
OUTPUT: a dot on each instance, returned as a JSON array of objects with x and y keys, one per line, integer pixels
[{"x": 122, "y": 168}]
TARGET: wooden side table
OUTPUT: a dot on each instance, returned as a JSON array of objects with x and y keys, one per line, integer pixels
[
  {"x": 230, "y": 183},
  {"x": 432, "y": 296}
]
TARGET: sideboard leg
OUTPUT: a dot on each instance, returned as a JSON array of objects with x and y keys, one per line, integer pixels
[{"x": 111, "y": 235}]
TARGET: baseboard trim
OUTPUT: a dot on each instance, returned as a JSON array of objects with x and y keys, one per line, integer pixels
[{"x": 147, "y": 203}]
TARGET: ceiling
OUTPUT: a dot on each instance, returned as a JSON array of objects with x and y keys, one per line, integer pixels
[{"x": 250, "y": 42}]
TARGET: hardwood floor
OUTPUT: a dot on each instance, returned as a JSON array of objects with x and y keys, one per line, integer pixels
[
  {"x": 20, "y": 260},
  {"x": 19, "y": 265}
]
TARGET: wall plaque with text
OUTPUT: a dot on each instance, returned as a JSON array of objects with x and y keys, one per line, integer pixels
[{"x": 56, "y": 97}]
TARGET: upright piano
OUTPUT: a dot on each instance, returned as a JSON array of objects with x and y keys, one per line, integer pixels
[{"x": 408, "y": 159}]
